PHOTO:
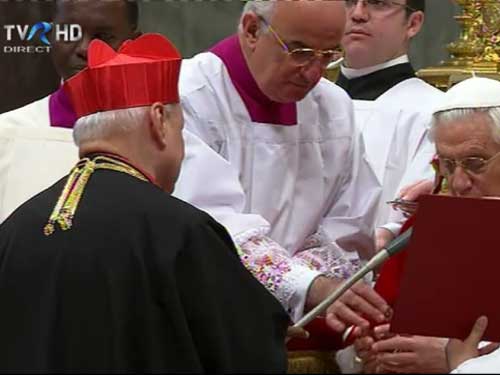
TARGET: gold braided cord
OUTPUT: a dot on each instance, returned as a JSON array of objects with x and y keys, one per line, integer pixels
[
  {"x": 122, "y": 168},
  {"x": 68, "y": 201},
  {"x": 66, "y": 214},
  {"x": 73, "y": 176}
]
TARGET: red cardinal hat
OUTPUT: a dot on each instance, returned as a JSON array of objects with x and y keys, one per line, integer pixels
[{"x": 142, "y": 72}]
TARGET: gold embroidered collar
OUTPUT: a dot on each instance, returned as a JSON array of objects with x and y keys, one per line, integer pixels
[{"x": 66, "y": 206}]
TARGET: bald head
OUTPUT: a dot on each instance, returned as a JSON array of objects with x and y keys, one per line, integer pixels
[
  {"x": 319, "y": 17},
  {"x": 314, "y": 24},
  {"x": 150, "y": 137}
]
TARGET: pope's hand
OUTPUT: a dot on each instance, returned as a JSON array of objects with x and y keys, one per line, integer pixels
[
  {"x": 413, "y": 191},
  {"x": 458, "y": 351},
  {"x": 411, "y": 354},
  {"x": 364, "y": 353}
]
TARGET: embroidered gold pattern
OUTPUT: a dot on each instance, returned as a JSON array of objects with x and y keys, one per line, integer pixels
[{"x": 68, "y": 201}]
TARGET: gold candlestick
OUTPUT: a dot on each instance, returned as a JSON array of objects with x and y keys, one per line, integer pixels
[
  {"x": 468, "y": 46},
  {"x": 489, "y": 26},
  {"x": 477, "y": 49}
]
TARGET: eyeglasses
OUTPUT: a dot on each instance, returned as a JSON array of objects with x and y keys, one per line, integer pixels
[
  {"x": 474, "y": 165},
  {"x": 303, "y": 56},
  {"x": 378, "y": 5}
]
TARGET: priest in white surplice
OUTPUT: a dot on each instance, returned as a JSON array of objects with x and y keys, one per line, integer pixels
[
  {"x": 392, "y": 107},
  {"x": 258, "y": 99}
]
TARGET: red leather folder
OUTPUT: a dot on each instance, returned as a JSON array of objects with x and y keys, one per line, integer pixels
[{"x": 452, "y": 273}]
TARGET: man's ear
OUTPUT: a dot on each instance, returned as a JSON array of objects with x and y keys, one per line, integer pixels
[
  {"x": 158, "y": 124},
  {"x": 415, "y": 23},
  {"x": 250, "y": 25}
]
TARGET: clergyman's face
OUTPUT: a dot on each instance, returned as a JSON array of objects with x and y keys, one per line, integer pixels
[
  {"x": 376, "y": 35},
  {"x": 99, "y": 19},
  {"x": 470, "y": 136},
  {"x": 300, "y": 24}
]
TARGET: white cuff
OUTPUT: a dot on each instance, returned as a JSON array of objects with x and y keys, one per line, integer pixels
[
  {"x": 394, "y": 228},
  {"x": 346, "y": 361},
  {"x": 298, "y": 281}
]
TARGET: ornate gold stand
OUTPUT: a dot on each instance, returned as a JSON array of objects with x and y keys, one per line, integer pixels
[
  {"x": 312, "y": 362},
  {"x": 477, "y": 49}
]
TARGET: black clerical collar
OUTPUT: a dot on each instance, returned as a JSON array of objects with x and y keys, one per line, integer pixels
[{"x": 371, "y": 86}]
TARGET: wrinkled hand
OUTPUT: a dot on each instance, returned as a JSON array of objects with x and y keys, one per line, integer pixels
[
  {"x": 406, "y": 201},
  {"x": 458, "y": 351},
  {"x": 363, "y": 347},
  {"x": 365, "y": 354},
  {"x": 413, "y": 191},
  {"x": 410, "y": 354},
  {"x": 355, "y": 306},
  {"x": 383, "y": 332}
]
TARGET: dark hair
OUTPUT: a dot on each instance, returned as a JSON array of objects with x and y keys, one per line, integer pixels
[
  {"x": 132, "y": 11},
  {"x": 414, "y": 6}
]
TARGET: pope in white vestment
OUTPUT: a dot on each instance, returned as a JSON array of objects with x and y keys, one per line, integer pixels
[
  {"x": 393, "y": 111},
  {"x": 300, "y": 165}
]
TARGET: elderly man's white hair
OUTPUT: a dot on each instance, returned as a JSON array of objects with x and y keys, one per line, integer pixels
[
  {"x": 262, "y": 8},
  {"x": 103, "y": 125},
  {"x": 473, "y": 95},
  {"x": 445, "y": 117}
]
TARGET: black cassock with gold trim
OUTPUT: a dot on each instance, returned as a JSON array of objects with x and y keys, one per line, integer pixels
[{"x": 141, "y": 281}]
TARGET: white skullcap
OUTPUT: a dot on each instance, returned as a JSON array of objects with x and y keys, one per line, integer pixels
[{"x": 475, "y": 92}]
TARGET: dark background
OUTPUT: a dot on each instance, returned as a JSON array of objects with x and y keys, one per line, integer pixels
[
  {"x": 193, "y": 25},
  {"x": 23, "y": 77}
]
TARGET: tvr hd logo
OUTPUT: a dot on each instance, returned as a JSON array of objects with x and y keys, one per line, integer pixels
[{"x": 25, "y": 33}]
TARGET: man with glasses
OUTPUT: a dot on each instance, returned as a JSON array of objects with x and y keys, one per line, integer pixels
[
  {"x": 468, "y": 139},
  {"x": 259, "y": 100},
  {"x": 392, "y": 106},
  {"x": 466, "y": 130}
]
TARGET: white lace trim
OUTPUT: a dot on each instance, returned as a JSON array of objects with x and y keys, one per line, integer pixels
[{"x": 245, "y": 236}]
